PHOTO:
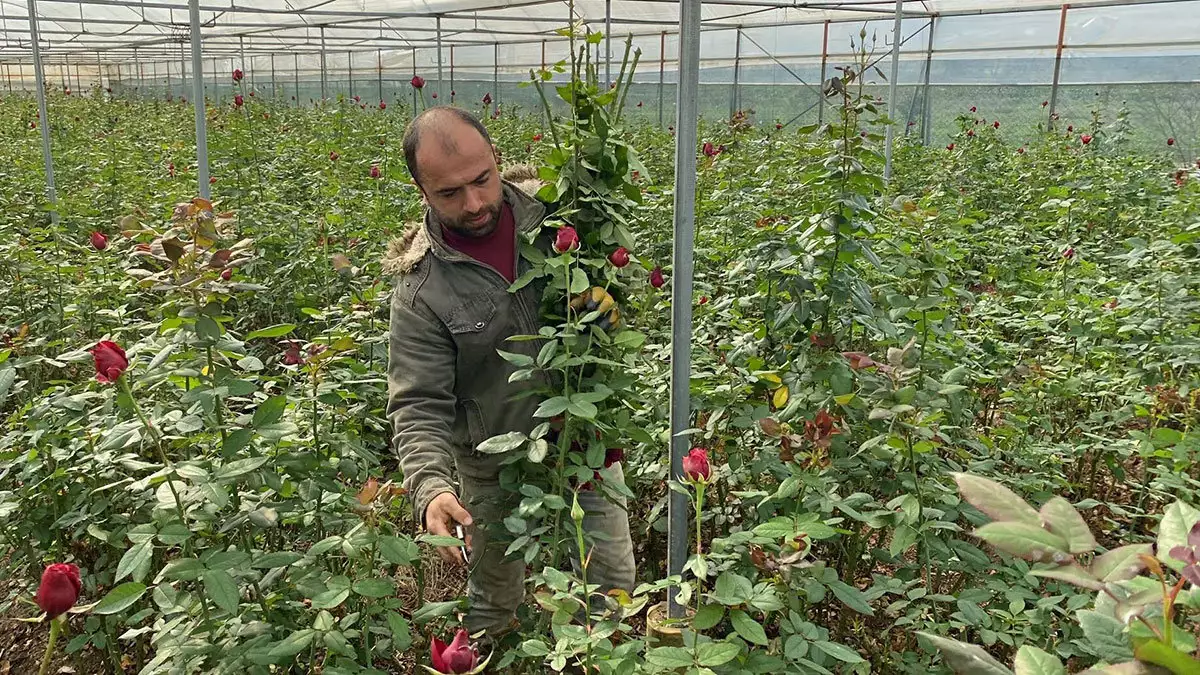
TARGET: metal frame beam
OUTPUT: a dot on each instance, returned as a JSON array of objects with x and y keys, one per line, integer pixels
[
  {"x": 681, "y": 284},
  {"x": 43, "y": 116}
]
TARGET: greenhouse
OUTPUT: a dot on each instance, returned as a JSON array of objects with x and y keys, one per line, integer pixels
[{"x": 600, "y": 336}]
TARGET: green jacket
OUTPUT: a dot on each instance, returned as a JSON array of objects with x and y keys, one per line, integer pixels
[{"x": 448, "y": 389}]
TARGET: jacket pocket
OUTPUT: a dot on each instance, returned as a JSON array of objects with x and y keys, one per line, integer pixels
[
  {"x": 476, "y": 428},
  {"x": 473, "y": 313}
]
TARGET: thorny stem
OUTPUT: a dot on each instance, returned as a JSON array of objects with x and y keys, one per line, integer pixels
[
  {"x": 55, "y": 627},
  {"x": 162, "y": 453}
]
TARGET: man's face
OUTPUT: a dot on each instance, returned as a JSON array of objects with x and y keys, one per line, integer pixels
[{"x": 459, "y": 179}]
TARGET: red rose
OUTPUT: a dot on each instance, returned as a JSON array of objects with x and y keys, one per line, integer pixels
[
  {"x": 238, "y": 101},
  {"x": 1086, "y": 138},
  {"x": 972, "y": 108},
  {"x": 996, "y": 124},
  {"x": 226, "y": 274},
  {"x": 656, "y": 278},
  {"x": 59, "y": 589},
  {"x": 704, "y": 299},
  {"x": 1045, "y": 103},
  {"x": 970, "y": 132},
  {"x": 1021, "y": 150},
  {"x": 382, "y": 105},
  {"x": 487, "y": 99},
  {"x": 950, "y": 147},
  {"x": 356, "y": 98},
  {"x": 333, "y": 156},
  {"x": 171, "y": 169},
  {"x": 619, "y": 258},
  {"x": 537, "y": 138},
  {"x": 434, "y": 94},
  {"x": 778, "y": 126},
  {"x": 457, "y": 657},
  {"x": 110, "y": 361},
  {"x": 375, "y": 173},
  {"x": 1070, "y": 128},
  {"x": 695, "y": 465},
  {"x": 1069, "y": 253},
  {"x": 237, "y": 75},
  {"x": 709, "y": 150},
  {"x": 99, "y": 241},
  {"x": 212, "y": 180},
  {"x": 1170, "y": 141},
  {"x": 417, "y": 82},
  {"x": 567, "y": 239}
]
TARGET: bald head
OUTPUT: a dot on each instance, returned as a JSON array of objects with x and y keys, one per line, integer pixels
[
  {"x": 453, "y": 162},
  {"x": 445, "y": 126}
]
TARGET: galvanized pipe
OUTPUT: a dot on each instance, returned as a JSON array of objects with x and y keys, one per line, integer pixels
[
  {"x": 44, "y": 119},
  {"x": 824, "y": 63},
  {"x": 890, "y": 137},
  {"x": 681, "y": 284},
  {"x": 926, "y": 107},
  {"x": 1062, "y": 32},
  {"x": 439, "y": 56},
  {"x": 198, "y": 102}
]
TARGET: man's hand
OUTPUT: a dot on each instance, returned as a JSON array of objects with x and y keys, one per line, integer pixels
[
  {"x": 598, "y": 300},
  {"x": 440, "y": 518}
]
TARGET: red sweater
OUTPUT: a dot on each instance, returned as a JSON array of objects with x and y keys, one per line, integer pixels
[{"x": 497, "y": 250}]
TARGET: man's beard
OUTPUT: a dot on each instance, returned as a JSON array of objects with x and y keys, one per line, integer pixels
[{"x": 464, "y": 226}]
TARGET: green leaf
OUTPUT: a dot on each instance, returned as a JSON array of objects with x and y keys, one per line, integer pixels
[
  {"x": 276, "y": 559},
  {"x": 518, "y": 360},
  {"x": 269, "y": 411},
  {"x": 629, "y": 339},
  {"x": 708, "y": 616},
  {"x": 502, "y": 443},
  {"x": 292, "y": 645},
  {"x": 1071, "y": 573},
  {"x": 278, "y": 330},
  {"x": 433, "y": 610},
  {"x": 1157, "y": 652},
  {"x": 748, "y": 628},
  {"x": 221, "y": 589},
  {"x": 135, "y": 558},
  {"x": 239, "y": 467},
  {"x": 173, "y": 534},
  {"x": 398, "y": 551},
  {"x": 1034, "y": 661},
  {"x": 331, "y": 598},
  {"x": 716, "y": 653},
  {"x": 556, "y": 405},
  {"x": 669, "y": 658},
  {"x": 440, "y": 540},
  {"x": 1031, "y": 542},
  {"x": 1066, "y": 522},
  {"x": 401, "y": 636},
  {"x": 236, "y": 441},
  {"x": 7, "y": 377},
  {"x": 839, "y": 651},
  {"x": 851, "y": 597},
  {"x": 374, "y": 588},
  {"x": 579, "y": 281},
  {"x": 1105, "y": 636},
  {"x": 120, "y": 598},
  {"x": 733, "y": 589},
  {"x": 1120, "y": 563},
  {"x": 581, "y": 408},
  {"x": 207, "y": 329},
  {"x": 995, "y": 500},
  {"x": 1177, "y": 520},
  {"x": 966, "y": 659}
]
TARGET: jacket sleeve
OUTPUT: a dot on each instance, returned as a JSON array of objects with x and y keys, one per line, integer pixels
[{"x": 421, "y": 401}]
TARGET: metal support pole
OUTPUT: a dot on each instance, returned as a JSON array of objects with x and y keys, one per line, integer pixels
[
  {"x": 379, "y": 71},
  {"x": 198, "y": 102},
  {"x": 824, "y": 63},
  {"x": 296, "y": 77},
  {"x": 414, "y": 89},
  {"x": 137, "y": 71},
  {"x": 439, "y": 56},
  {"x": 274, "y": 88},
  {"x": 1062, "y": 32},
  {"x": 681, "y": 284},
  {"x": 170, "y": 91},
  {"x": 737, "y": 67},
  {"x": 662, "y": 69},
  {"x": 183, "y": 74},
  {"x": 544, "y": 55},
  {"x": 350, "y": 74},
  {"x": 8, "y": 77},
  {"x": 322, "y": 63},
  {"x": 120, "y": 78},
  {"x": 51, "y": 193},
  {"x": 496, "y": 74},
  {"x": 452, "y": 90},
  {"x": 242, "y": 57},
  {"x": 926, "y": 108},
  {"x": 608, "y": 42},
  {"x": 890, "y": 138}
]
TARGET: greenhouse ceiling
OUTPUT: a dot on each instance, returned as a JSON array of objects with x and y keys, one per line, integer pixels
[{"x": 114, "y": 30}]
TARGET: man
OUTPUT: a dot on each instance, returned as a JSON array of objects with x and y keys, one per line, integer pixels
[{"x": 448, "y": 389}]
